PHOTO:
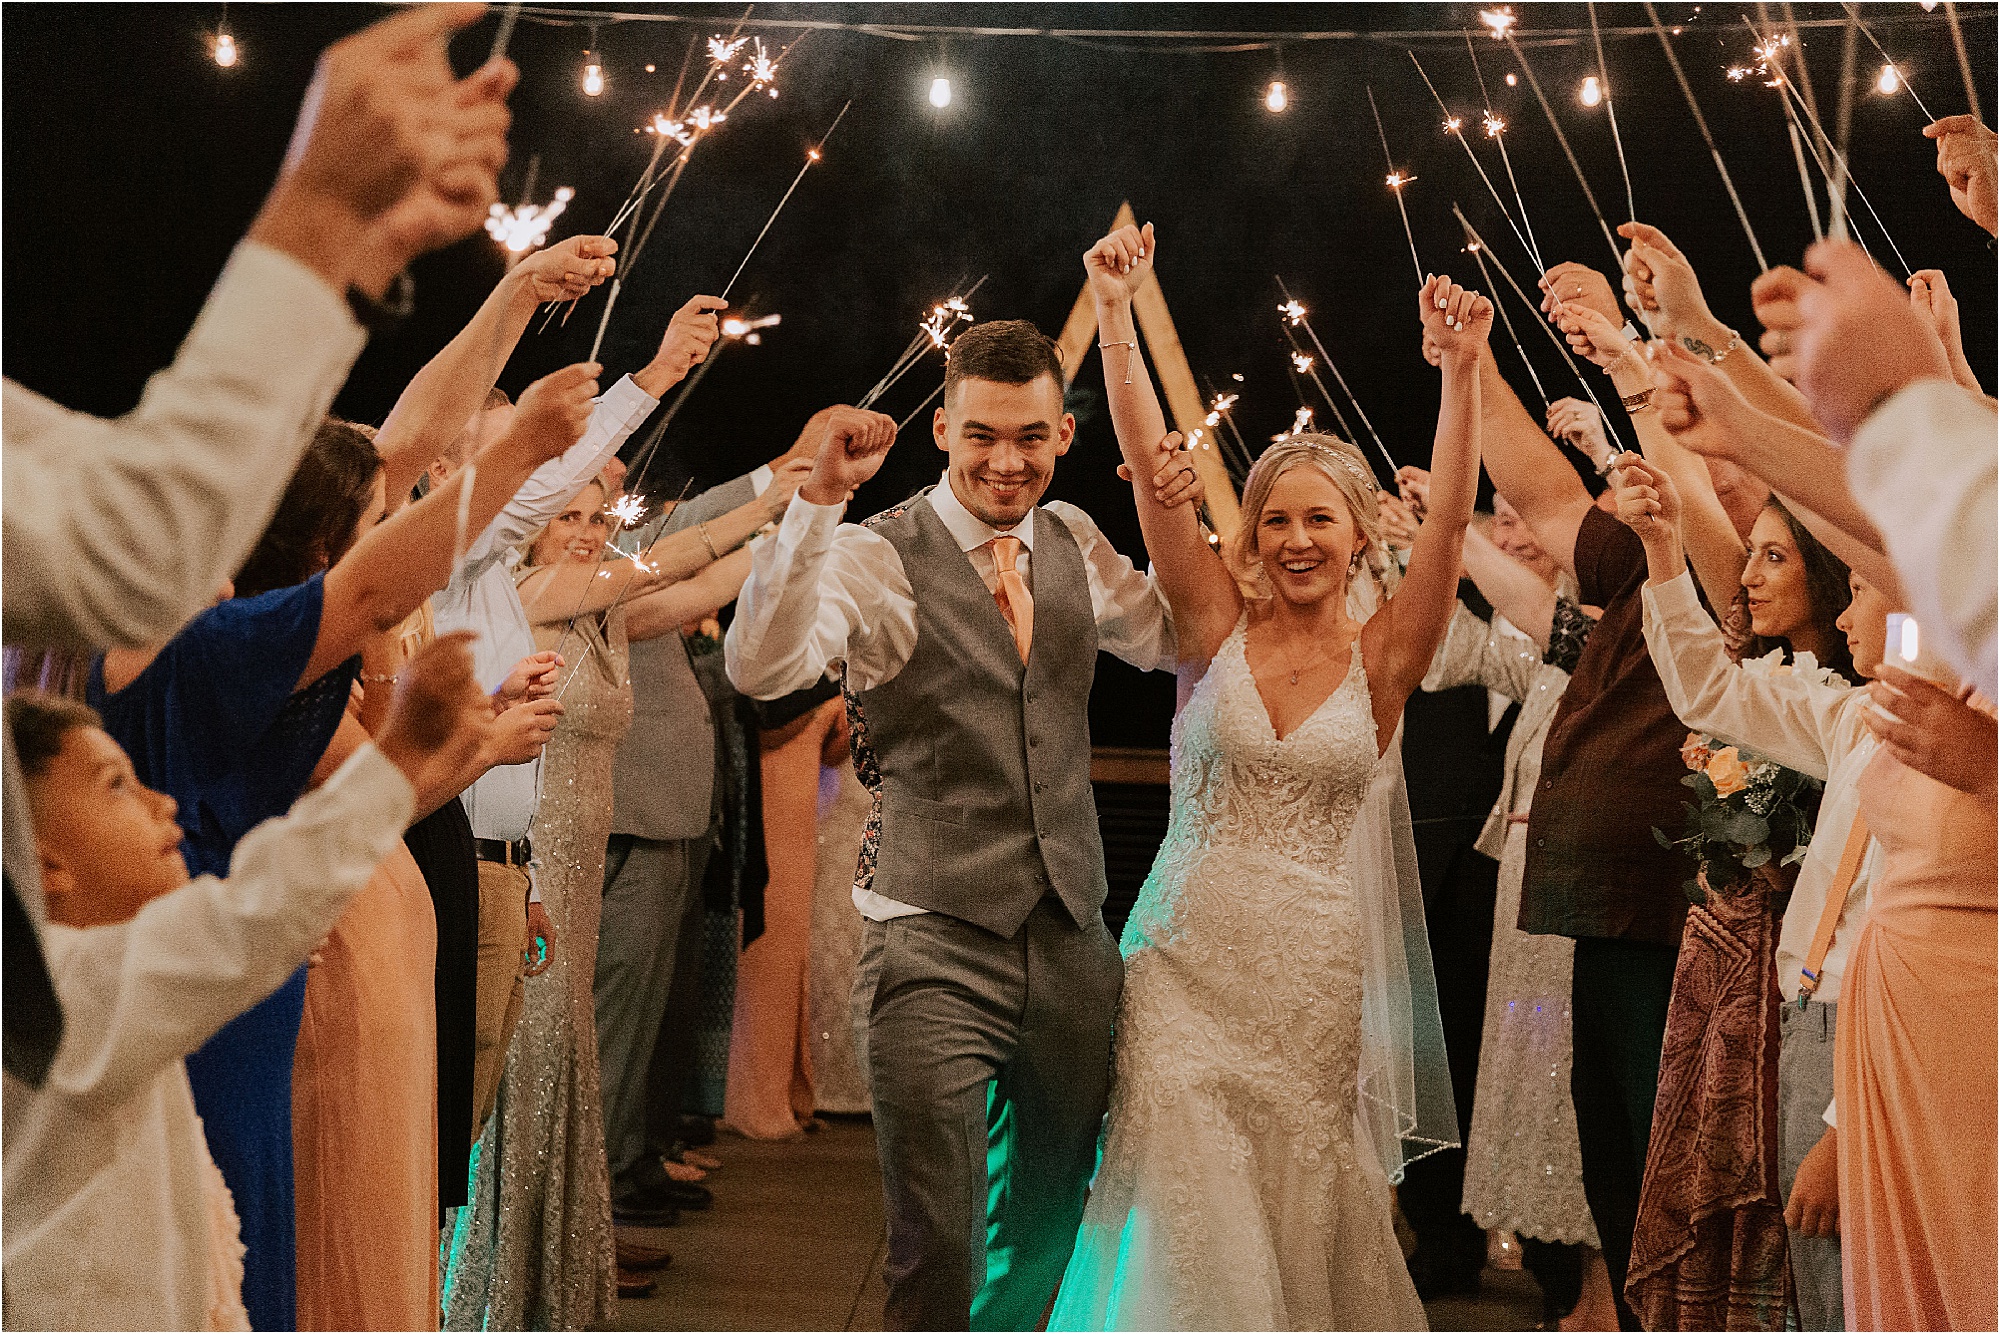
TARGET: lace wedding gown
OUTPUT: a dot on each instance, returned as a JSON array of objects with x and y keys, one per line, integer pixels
[{"x": 1233, "y": 1192}]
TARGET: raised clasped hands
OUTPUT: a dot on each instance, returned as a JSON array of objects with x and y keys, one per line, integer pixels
[
  {"x": 1574, "y": 284},
  {"x": 567, "y": 269},
  {"x": 1175, "y": 481},
  {"x": 851, "y": 452},
  {"x": 1119, "y": 264},
  {"x": 1456, "y": 319}
]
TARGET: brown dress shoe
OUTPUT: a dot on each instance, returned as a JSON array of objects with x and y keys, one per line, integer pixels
[
  {"x": 639, "y": 1257},
  {"x": 633, "y": 1284}
]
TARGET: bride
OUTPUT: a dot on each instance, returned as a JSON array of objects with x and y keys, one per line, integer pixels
[{"x": 1277, "y": 1054}]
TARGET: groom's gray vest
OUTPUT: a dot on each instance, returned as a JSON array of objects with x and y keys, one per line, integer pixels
[{"x": 980, "y": 768}]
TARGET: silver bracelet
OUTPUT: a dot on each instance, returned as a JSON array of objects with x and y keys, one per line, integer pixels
[
  {"x": 1132, "y": 343},
  {"x": 707, "y": 541}
]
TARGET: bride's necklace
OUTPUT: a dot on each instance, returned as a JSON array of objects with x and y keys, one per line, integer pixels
[{"x": 1297, "y": 670}]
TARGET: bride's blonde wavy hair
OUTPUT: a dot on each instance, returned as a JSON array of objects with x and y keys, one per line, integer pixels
[{"x": 1340, "y": 463}]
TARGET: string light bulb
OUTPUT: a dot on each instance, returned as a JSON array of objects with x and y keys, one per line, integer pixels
[
  {"x": 940, "y": 92},
  {"x": 1592, "y": 91},
  {"x": 1887, "y": 81},
  {"x": 1511, "y": 80},
  {"x": 593, "y": 75},
  {"x": 222, "y": 49},
  {"x": 1277, "y": 97}
]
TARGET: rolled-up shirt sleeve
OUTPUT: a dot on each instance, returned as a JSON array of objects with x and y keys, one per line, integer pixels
[
  {"x": 1133, "y": 623},
  {"x": 818, "y": 591}
]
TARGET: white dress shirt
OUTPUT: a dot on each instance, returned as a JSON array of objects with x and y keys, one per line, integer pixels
[
  {"x": 1923, "y": 468},
  {"x": 116, "y": 1217},
  {"x": 1803, "y": 721},
  {"x": 823, "y": 591},
  {"x": 481, "y": 596}
]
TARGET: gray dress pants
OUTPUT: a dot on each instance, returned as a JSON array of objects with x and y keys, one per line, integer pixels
[
  {"x": 1805, "y": 1087},
  {"x": 989, "y": 1064},
  {"x": 647, "y": 885}
]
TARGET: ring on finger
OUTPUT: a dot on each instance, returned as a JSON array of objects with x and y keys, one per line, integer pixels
[{"x": 1189, "y": 474}]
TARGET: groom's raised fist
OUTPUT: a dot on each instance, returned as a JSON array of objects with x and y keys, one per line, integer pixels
[{"x": 850, "y": 452}]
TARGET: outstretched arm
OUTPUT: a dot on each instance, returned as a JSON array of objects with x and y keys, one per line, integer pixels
[
  {"x": 403, "y": 560},
  {"x": 435, "y": 406},
  {"x": 1398, "y": 642},
  {"x": 1201, "y": 593},
  {"x": 1528, "y": 468}
]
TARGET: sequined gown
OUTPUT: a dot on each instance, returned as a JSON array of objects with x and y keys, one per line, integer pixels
[
  {"x": 536, "y": 1251},
  {"x": 1232, "y": 1193},
  {"x": 1523, "y": 1167}
]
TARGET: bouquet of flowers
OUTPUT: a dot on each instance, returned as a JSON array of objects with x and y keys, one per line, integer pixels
[{"x": 1749, "y": 813}]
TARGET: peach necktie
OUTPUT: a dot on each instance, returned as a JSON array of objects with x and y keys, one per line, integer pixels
[{"x": 1012, "y": 594}]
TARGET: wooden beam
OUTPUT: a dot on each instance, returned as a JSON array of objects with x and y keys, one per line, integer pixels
[{"x": 1186, "y": 409}]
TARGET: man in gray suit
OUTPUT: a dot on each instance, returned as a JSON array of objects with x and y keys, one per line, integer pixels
[
  {"x": 968, "y": 622},
  {"x": 661, "y": 833}
]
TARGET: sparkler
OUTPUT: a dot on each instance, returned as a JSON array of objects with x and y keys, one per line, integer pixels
[
  {"x": 812, "y": 156},
  {"x": 1221, "y": 421},
  {"x": 1478, "y": 253},
  {"x": 1549, "y": 111},
  {"x": 1535, "y": 312},
  {"x": 1701, "y": 123},
  {"x": 1454, "y": 126},
  {"x": 1397, "y": 180},
  {"x": 1302, "y": 421},
  {"x": 505, "y": 31},
  {"x": 1611, "y": 112},
  {"x": 1302, "y": 322},
  {"x": 1499, "y": 22},
  {"x": 1769, "y": 64},
  {"x": 1854, "y": 13},
  {"x": 1303, "y": 364},
  {"x": 1964, "y": 62},
  {"x": 526, "y": 226},
  {"x": 1495, "y": 127},
  {"x": 762, "y": 70},
  {"x": 931, "y": 335}
]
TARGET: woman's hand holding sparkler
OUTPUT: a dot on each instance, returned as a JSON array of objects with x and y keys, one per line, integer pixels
[
  {"x": 1599, "y": 340},
  {"x": 1662, "y": 290},
  {"x": 855, "y": 443},
  {"x": 1650, "y": 505},
  {"x": 1931, "y": 298},
  {"x": 1456, "y": 319},
  {"x": 690, "y": 335},
  {"x": 1573, "y": 284},
  {"x": 1966, "y": 160},
  {"x": 565, "y": 270},
  {"x": 1579, "y": 423},
  {"x": 533, "y": 677},
  {"x": 553, "y": 412}
]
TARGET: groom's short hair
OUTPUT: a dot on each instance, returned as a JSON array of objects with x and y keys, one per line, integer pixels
[{"x": 1003, "y": 352}]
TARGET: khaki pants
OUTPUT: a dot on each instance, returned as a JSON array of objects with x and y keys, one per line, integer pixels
[{"x": 503, "y": 928}]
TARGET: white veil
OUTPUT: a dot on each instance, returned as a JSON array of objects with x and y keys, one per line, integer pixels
[{"x": 1406, "y": 1109}]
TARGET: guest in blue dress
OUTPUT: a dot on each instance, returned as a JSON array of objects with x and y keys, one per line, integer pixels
[{"x": 230, "y": 717}]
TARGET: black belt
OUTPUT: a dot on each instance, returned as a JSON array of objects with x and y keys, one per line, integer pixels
[{"x": 517, "y": 853}]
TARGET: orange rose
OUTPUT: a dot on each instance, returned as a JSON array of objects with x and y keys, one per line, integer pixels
[
  {"x": 1695, "y": 752},
  {"x": 1729, "y": 774}
]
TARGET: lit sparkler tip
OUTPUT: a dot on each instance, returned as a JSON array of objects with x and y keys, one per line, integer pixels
[
  {"x": 1451, "y": 125},
  {"x": 761, "y": 68},
  {"x": 1213, "y": 419},
  {"x": 1293, "y": 313},
  {"x": 1497, "y": 21},
  {"x": 627, "y": 509},
  {"x": 1301, "y": 362},
  {"x": 525, "y": 226},
  {"x": 1494, "y": 125},
  {"x": 812, "y": 154},
  {"x": 1302, "y": 421},
  {"x": 722, "y": 50},
  {"x": 1224, "y": 402},
  {"x": 1397, "y": 180}
]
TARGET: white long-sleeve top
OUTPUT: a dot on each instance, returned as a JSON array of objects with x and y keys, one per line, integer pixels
[
  {"x": 1804, "y": 719},
  {"x": 1923, "y": 467},
  {"x": 823, "y": 590},
  {"x": 116, "y": 531},
  {"x": 109, "y": 1187},
  {"x": 481, "y": 596}
]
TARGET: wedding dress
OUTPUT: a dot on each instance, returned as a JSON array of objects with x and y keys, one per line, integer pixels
[{"x": 1240, "y": 1185}]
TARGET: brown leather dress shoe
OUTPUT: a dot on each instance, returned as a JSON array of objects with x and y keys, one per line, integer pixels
[
  {"x": 632, "y": 1284},
  {"x": 639, "y": 1257}
]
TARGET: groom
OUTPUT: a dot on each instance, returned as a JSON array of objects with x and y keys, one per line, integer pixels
[{"x": 968, "y": 620}]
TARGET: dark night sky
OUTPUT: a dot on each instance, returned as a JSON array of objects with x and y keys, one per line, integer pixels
[{"x": 133, "y": 163}]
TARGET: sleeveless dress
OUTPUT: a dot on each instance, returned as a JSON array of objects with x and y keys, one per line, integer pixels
[
  {"x": 1232, "y": 1193},
  {"x": 534, "y": 1248}
]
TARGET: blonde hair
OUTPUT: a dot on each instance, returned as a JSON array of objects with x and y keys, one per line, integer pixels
[
  {"x": 1340, "y": 463},
  {"x": 527, "y": 548}
]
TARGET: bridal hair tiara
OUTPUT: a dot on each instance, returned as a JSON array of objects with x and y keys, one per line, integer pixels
[{"x": 1354, "y": 467}]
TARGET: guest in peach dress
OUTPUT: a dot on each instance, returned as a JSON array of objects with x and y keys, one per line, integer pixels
[
  {"x": 1915, "y": 1049},
  {"x": 769, "y": 1094}
]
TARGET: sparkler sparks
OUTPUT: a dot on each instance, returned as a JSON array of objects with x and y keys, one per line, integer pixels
[
  {"x": 628, "y": 508},
  {"x": 1497, "y": 21},
  {"x": 722, "y": 50},
  {"x": 943, "y": 318},
  {"x": 526, "y": 226},
  {"x": 1494, "y": 125},
  {"x": 762, "y": 70},
  {"x": 706, "y": 118},
  {"x": 1302, "y": 362},
  {"x": 1397, "y": 180},
  {"x": 1452, "y": 124},
  {"x": 1294, "y": 313}
]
